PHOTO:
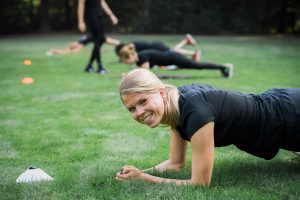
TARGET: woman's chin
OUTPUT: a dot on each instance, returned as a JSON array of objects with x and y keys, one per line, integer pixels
[{"x": 153, "y": 125}]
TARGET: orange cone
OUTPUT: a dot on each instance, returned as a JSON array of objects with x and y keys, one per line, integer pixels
[
  {"x": 27, "y": 62},
  {"x": 27, "y": 80}
]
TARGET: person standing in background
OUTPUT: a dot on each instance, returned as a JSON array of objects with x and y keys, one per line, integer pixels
[{"x": 90, "y": 14}]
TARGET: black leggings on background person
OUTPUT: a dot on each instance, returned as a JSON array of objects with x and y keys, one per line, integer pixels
[
  {"x": 95, "y": 25},
  {"x": 167, "y": 58},
  {"x": 184, "y": 63}
]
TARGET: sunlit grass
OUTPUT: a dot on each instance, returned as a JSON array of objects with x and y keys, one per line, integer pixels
[{"x": 73, "y": 125}]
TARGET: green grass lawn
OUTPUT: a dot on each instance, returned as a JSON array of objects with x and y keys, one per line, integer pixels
[{"x": 73, "y": 126}]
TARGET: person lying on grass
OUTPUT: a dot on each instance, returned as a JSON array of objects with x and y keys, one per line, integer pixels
[
  {"x": 207, "y": 117},
  {"x": 149, "y": 58},
  {"x": 76, "y": 47},
  {"x": 123, "y": 49},
  {"x": 137, "y": 45}
]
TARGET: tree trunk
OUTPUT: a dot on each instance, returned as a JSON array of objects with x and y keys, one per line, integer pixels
[{"x": 44, "y": 6}]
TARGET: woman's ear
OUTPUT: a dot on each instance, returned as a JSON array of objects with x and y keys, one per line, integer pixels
[{"x": 162, "y": 92}]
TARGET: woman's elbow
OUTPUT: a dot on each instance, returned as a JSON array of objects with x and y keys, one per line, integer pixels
[
  {"x": 179, "y": 166},
  {"x": 201, "y": 183}
]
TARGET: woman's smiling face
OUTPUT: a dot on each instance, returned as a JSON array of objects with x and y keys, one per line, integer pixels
[{"x": 146, "y": 108}]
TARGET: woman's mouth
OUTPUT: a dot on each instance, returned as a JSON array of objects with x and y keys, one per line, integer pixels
[{"x": 146, "y": 119}]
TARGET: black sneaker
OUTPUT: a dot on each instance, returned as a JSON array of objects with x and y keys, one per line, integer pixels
[
  {"x": 228, "y": 71},
  {"x": 89, "y": 69},
  {"x": 102, "y": 71}
]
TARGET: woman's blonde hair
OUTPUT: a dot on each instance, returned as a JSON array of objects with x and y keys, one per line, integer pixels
[{"x": 143, "y": 80}]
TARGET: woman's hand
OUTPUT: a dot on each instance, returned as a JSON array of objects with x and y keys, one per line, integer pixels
[
  {"x": 82, "y": 27},
  {"x": 130, "y": 172},
  {"x": 145, "y": 65},
  {"x": 114, "y": 19}
]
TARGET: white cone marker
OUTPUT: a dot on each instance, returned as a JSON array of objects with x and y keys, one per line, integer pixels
[{"x": 33, "y": 174}]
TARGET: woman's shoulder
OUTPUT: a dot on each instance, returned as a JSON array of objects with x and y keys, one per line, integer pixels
[
  {"x": 197, "y": 86},
  {"x": 189, "y": 94},
  {"x": 191, "y": 90},
  {"x": 195, "y": 109}
]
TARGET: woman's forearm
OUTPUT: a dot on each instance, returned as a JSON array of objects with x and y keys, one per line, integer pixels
[
  {"x": 156, "y": 179},
  {"x": 106, "y": 8},
  {"x": 80, "y": 11}
]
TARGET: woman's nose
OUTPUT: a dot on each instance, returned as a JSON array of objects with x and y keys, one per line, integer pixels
[{"x": 139, "y": 112}]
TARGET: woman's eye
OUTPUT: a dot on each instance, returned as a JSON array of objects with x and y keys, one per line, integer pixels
[
  {"x": 143, "y": 101},
  {"x": 131, "y": 110}
]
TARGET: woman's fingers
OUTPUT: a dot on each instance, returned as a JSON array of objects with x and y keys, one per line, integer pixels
[
  {"x": 126, "y": 169},
  {"x": 124, "y": 176},
  {"x": 128, "y": 172},
  {"x": 120, "y": 179}
]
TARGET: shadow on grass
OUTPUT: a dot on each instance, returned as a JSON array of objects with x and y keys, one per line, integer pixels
[
  {"x": 176, "y": 77},
  {"x": 248, "y": 172},
  {"x": 182, "y": 76},
  {"x": 236, "y": 170}
]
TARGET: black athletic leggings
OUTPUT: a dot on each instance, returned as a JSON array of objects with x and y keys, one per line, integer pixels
[
  {"x": 184, "y": 63},
  {"x": 95, "y": 25}
]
